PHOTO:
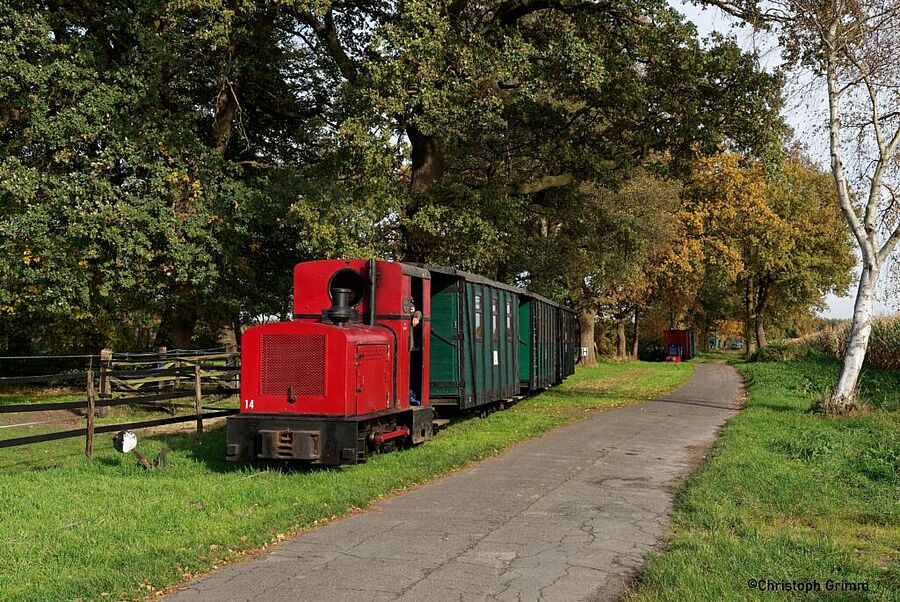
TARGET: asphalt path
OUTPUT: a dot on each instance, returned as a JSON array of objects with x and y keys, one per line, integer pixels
[{"x": 567, "y": 516}]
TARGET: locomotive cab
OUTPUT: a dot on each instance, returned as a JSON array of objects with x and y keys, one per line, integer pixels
[{"x": 345, "y": 376}]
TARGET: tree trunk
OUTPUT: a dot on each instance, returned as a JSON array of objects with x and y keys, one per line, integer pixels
[
  {"x": 427, "y": 159},
  {"x": 762, "y": 298},
  {"x": 19, "y": 344},
  {"x": 226, "y": 107},
  {"x": 844, "y": 396},
  {"x": 621, "y": 343},
  {"x": 177, "y": 324},
  {"x": 635, "y": 343},
  {"x": 761, "y": 340},
  {"x": 238, "y": 329},
  {"x": 427, "y": 166},
  {"x": 704, "y": 336},
  {"x": 587, "y": 318},
  {"x": 749, "y": 339}
]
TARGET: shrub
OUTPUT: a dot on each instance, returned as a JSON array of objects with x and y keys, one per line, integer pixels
[{"x": 782, "y": 352}]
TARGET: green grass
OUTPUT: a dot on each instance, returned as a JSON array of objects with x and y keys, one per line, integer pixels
[
  {"x": 104, "y": 528},
  {"x": 32, "y": 395},
  {"x": 789, "y": 495},
  {"x": 721, "y": 355}
]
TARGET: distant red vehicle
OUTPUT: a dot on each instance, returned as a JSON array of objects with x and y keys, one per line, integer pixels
[{"x": 679, "y": 345}]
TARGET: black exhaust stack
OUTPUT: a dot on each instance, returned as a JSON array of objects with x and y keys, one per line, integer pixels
[
  {"x": 341, "y": 312},
  {"x": 373, "y": 278}
]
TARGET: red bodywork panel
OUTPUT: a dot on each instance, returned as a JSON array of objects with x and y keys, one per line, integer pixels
[{"x": 309, "y": 367}]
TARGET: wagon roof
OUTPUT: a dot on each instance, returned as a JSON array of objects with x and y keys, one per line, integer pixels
[{"x": 482, "y": 280}]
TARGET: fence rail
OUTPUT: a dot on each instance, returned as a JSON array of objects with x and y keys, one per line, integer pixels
[
  {"x": 147, "y": 380},
  {"x": 107, "y": 428},
  {"x": 151, "y": 400},
  {"x": 42, "y": 378}
]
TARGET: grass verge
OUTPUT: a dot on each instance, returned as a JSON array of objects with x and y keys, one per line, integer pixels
[
  {"x": 105, "y": 529},
  {"x": 790, "y": 497}
]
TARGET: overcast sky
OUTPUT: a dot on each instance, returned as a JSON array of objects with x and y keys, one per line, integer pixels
[{"x": 804, "y": 111}]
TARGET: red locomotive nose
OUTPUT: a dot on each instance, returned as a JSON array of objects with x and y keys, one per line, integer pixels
[{"x": 316, "y": 368}]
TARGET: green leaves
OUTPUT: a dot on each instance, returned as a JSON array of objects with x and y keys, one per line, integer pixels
[
  {"x": 183, "y": 154},
  {"x": 772, "y": 242},
  {"x": 106, "y": 184}
]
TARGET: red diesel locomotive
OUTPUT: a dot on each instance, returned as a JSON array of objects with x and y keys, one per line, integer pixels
[
  {"x": 354, "y": 373},
  {"x": 335, "y": 382}
]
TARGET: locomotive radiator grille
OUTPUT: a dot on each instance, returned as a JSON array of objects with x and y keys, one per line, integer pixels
[{"x": 295, "y": 362}]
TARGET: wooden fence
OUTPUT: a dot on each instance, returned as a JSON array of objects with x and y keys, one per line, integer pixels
[{"x": 149, "y": 380}]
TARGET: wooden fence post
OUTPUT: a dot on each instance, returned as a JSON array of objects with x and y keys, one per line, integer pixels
[
  {"x": 232, "y": 361},
  {"x": 89, "y": 441},
  {"x": 162, "y": 352},
  {"x": 106, "y": 356},
  {"x": 198, "y": 398}
]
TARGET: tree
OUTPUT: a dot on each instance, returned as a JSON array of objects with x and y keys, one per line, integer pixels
[
  {"x": 496, "y": 104},
  {"x": 773, "y": 239},
  {"x": 648, "y": 105},
  {"x": 161, "y": 162},
  {"x": 107, "y": 191},
  {"x": 854, "y": 48},
  {"x": 144, "y": 152},
  {"x": 604, "y": 257}
]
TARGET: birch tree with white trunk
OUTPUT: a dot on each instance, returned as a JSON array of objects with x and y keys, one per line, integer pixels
[{"x": 853, "y": 47}]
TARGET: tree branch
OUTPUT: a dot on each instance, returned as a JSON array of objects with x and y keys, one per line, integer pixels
[
  {"x": 545, "y": 183},
  {"x": 888, "y": 247},
  {"x": 510, "y": 11},
  {"x": 456, "y": 8},
  {"x": 326, "y": 32},
  {"x": 750, "y": 12}
]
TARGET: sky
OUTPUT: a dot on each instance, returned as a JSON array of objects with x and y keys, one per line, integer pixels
[{"x": 805, "y": 112}]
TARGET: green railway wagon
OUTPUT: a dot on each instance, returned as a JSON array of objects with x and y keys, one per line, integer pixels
[
  {"x": 548, "y": 342},
  {"x": 537, "y": 325},
  {"x": 474, "y": 334},
  {"x": 569, "y": 343}
]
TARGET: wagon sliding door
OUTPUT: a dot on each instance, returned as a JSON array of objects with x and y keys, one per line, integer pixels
[
  {"x": 480, "y": 346},
  {"x": 483, "y": 354},
  {"x": 509, "y": 344},
  {"x": 525, "y": 335},
  {"x": 447, "y": 385}
]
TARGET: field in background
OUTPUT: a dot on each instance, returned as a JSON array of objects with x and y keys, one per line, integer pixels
[
  {"x": 884, "y": 345},
  {"x": 791, "y": 496},
  {"x": 104, "y": 528}
]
